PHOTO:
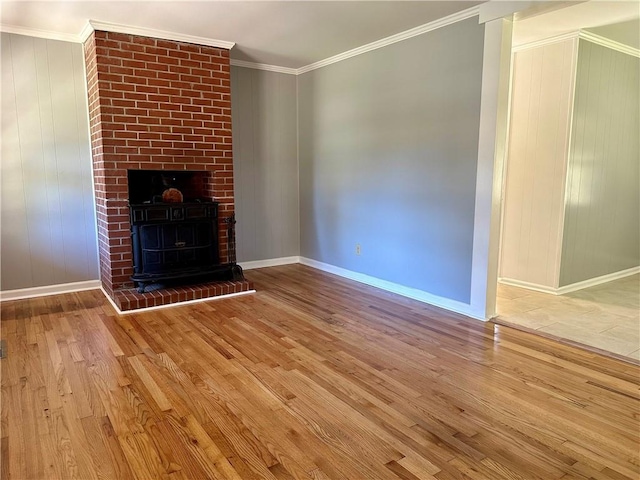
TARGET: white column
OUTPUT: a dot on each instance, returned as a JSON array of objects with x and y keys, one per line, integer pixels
[{"x": 491, "y": 155}]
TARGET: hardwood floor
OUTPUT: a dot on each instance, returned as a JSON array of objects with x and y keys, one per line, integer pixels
[{"x": 312, "y": 377}]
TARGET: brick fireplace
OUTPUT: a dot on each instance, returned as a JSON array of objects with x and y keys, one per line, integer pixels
[{"x": 156, "y": 105}]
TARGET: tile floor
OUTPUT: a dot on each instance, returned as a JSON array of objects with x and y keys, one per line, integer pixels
[{"x": 606, "y": 316}]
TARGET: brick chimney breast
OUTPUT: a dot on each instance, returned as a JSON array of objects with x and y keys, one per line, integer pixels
[{"x": 154, "y": 105}]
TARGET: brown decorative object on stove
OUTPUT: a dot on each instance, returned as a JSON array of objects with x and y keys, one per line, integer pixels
[{"x": 172, "y": 195}]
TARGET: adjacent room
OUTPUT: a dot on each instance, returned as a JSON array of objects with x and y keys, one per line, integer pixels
[
  {"x": 319, "y": 240},
  {"x": 571, "y": 224}
]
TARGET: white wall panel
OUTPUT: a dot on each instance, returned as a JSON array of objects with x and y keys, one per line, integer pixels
[
  {"x": 543, "y": 80},
  {"x": 47, "y": 210}
]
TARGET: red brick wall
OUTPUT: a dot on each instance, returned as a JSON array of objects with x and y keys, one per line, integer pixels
[{"x": 154, "y": 105}]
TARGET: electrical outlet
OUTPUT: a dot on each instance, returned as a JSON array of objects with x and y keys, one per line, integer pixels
[{"x": 358, "y": 249}]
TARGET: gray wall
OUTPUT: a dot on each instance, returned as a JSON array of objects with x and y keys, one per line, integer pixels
[
  {"x": 388, "y": 149},
  {"x": 47, "y": 210},
  {"x": 263, "y": 107},
  {"x": 601, "y": 227}
]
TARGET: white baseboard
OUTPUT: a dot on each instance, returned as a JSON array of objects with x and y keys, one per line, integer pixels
[
  {"x": 592, "y": 282},
  {"x": 271, "y": 262},
  {"x": 413, "y": 293},
  {"x": 529, "y": 286},
  {"x": 48, "y": 290}
]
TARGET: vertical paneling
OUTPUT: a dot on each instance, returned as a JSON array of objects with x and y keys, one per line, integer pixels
[
  {"x": 388, "y": 160},
  {"x": 47, "y": 211},
  {"x": 536, "y": 163},
  {"x": 602, "y": 228},
  {"x": 264, "y": 128}
]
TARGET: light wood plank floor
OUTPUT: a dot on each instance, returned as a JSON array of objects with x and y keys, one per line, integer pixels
[{"x": 313, "y": 377}]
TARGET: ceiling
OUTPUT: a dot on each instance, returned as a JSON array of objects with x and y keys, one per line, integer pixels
[{"x": 289, "y": 34}]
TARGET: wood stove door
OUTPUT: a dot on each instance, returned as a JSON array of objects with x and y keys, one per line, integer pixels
[
  {"x": 176, "y": 242},
  {"x": 168, "y": 247}
]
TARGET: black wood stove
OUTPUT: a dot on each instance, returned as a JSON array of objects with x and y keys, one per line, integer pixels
[{"x": 177, "y": 241}]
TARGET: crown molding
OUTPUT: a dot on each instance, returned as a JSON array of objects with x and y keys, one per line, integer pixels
[
  {"x": 546, "y": 41},
  {"x": 34, "y": 32},
  {"x": 398, "y": 37},
  {"x": 93, "y": 25},
  {"x": 264, "y": 66},
  {"x": 612, "y": 44},
  {"x": 152, "y": 32},
  {"x": 86, "y": 32},
  {"x": 583, "y": 35},
  {"x": 427, "y": 27}
]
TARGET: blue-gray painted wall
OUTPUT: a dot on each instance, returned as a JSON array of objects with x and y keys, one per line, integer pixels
[
  {"x": 265, "y": 164},
  {"x": 388, "y": 150}
]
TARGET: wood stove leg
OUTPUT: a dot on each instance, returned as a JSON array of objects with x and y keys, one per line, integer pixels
[{"x": 236, "y": 273}]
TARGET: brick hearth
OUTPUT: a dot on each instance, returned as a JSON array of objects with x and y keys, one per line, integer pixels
[
  {"x": 130, "y": 299},
  {"x": 155, "y": 105}
]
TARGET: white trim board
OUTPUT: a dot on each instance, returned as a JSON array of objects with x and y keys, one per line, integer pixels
[
  {"x": 545, "y": 41},
  {"x": 150, "y": 32},
  {"x": 398, "y": 37},
  {"x": 420, "y": 295},
  {"x": 605, "y": 42},
  {"x": 583, "y": 35},
  {"x": 48, "y": 290},
  {"x": 35, "y": 32},
  {"x": 271, "y": 262},
  {"x": 93, "y": 25},
  {"x": 592, "y": 282},
  {"x": 492, "y": 142},
  {"x": 264, "y": 66},
  {"x": 383, "y": 42}
]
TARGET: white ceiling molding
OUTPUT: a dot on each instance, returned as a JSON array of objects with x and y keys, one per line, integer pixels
[
  {"x": 86, "y": 32},
  {"x": 584, "y": 35},
  {"x": 93, "y": 25},
  {"x": 546, "y": 41},
  {"x": 264, "y": 66},
  {"x": 398, "y": 37},
  {"x": 605, "y": 42},
  {"x": 33, "y": 32},
  {"x": 152, "y": 32}
]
